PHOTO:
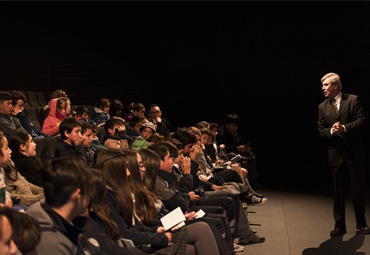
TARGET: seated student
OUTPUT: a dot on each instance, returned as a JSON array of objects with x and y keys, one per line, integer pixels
[
  {"x": 127, "y": 211},
  {"x": 26, "y": 231},
  {"x": 164, "y": 127},
  {"x": 86, "y": 131},
  {"x": 23, "y": 155},
  {"x": 5, "y": 152},
  {"x": 68, "y": 188},
  {"x": 95, "y": 144},
  {"x": 100, "y": 112},
  {"x": 234, "y": 144},
  {"x": 115, "y": 108},
  {"x": 137, "y": 111},
  {"x": 115, "y": 137},
  {"x": 218, "y": 153},
  {"x": 7, "y": 245},
  {"x": 99, "y": 221},
  {"x": 59, "y": 109},
  {"x": 56, "y": 94},
  {"x": 82, "y": 114},
  {"x": 134, "y": 128},
  {"x": 155, "y": 139},
  {"x": 18, "y": 100},
  {"x": 72, "y": 140},
  {"x": 147, "y": 130},
  {"x": 8, "y": 123},
  {"x": 154, "y": 122}
]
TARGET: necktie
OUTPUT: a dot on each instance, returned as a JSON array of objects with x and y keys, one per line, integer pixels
[{"x": 335, "y": 105}]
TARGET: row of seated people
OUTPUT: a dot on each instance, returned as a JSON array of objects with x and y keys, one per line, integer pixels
[{"x": 182, "y": 165}]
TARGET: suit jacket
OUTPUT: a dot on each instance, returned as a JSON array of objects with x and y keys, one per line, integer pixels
[{"x": 351, "y": 115}]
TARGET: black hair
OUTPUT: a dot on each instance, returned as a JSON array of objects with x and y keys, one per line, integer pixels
[
  {"x": 102, "y": 102},
  {"x": 61, "y": 177},
  {"x": 81, "y": 110},
  {"x": 5, "y": 96},
  {"x": 232, "y": 118},
  {"x": 172, "y": 149},
  {"x": 185, "y": 136},
  {"x": 179, "y": 145},
  {"x": 160, "y": 150},
  {"x": 26, "y": 232},
  {"x": 138, "y": 107},
  {"x": 205, "y": 131},
  {"x": 115, "y": 105},
  {"x": 134, "y": 120},
  {"x": 112, "y": 122},
  {"x": 68, "y": 124},
  {"x": 85, "y": 126},
  {"x": 213, "y": 126},
  {"x": 16, "y": 95},
  {"x": 202, "y": 124},
  {"x": 17, "y": 139}
]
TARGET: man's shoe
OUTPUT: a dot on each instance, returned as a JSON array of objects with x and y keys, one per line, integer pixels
[
  {"x": 338, "y": 232},
  {"x": 254, "y": 239},
  {"x": 253, "y": 200},
  {"x": 363, "y": 230}
]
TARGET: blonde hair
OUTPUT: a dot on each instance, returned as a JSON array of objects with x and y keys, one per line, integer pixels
[{"x": 334, "y": 79}]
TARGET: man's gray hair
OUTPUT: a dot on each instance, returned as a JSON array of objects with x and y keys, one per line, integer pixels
[{"x": 334, "y": 79}]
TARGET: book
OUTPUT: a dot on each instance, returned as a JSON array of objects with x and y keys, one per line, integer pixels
[{"x": 173, "y": 219}]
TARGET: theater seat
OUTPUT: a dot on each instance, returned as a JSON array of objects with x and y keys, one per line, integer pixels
[
  {"x": 41, "y": 98},
  {"x": 32, "y": 100}
]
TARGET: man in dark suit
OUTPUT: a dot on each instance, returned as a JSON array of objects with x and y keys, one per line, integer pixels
[{"x": 341, "y": 120}]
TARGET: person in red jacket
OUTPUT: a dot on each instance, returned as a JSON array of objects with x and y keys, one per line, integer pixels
[{"x": 59, "y": 109}]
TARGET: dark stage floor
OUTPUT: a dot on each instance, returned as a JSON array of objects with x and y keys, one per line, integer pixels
[{"x": 299, "y": 220}]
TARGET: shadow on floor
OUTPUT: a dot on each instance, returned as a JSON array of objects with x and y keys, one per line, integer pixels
[{"x": 336, "y": 245}]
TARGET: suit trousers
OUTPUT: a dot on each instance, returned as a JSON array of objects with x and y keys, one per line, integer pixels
[{"x": 356, "y": 176}]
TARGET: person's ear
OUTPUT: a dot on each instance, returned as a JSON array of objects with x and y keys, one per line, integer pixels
[
  {"x": 66, "y": 133},
  {"x": 22, "y": 147},
  {"x": 76, "y": 195},
  {"x": 110, "y": 130}
]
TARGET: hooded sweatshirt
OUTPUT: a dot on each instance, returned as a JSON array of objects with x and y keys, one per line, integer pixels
[
  {"x": 52, "y": 122},
  {"x": 99, "y": 115}
]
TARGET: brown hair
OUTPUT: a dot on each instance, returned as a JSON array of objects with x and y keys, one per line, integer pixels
[
  {"x": 16, "y": 95},
  {"x": 57, "y": 94},
  {"x": 151, "y": 162},
  {"x": 144, "y": 205}
]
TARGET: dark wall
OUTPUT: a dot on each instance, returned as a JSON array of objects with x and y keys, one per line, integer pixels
[{"x": 199, "y": 61}]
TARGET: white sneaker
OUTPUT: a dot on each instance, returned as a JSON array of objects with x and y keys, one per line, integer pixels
[{"x": 253, "y": 200}]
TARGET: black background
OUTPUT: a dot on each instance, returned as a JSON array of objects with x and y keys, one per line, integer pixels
[{"x": 199, "y": 61}]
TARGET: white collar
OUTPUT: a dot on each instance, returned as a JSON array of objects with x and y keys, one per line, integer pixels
[{"x": 338, "y": 97}]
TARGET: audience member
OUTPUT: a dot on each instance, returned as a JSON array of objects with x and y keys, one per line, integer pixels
[
  {"x": 134, "y": 128},
  {"x": 100, "y": 112},
  {"x": 82, "y": 114},
  {"x": 86, "y": 131},
  {"x": 26, "y": 231},
  {"x": 72, "y": 140},
  {"x": 147, "y": 130},
  {"x": 8, "y": 123},
  {"x": 115, "y": 137},
  {"x": 234, "y": 144},
  {"x": 7, "y": 245},
  {"x": 68, "y": 188},
  {"x": 58, "y": 111},
  {"x": 115, "y": 109},
  {"x": 18, "y": 100},
  {"x": 5, "y": 152},
  {"x": 137, "y": 111},
  {"x": 163, "y": 126},
  {"x": 23, "y": 155}
]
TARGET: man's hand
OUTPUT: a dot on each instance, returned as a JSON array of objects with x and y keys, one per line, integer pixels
[
  {"x": 193, "y": 197},
  {"x": 185, "y": 164},
  {"x": 158, "y": 119},
  {"x": 241, "y": 148},
  {"x": 338, "y": 129},
  {"x": 248, "y": 149},
  {"x": 222, "y": 146}
]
